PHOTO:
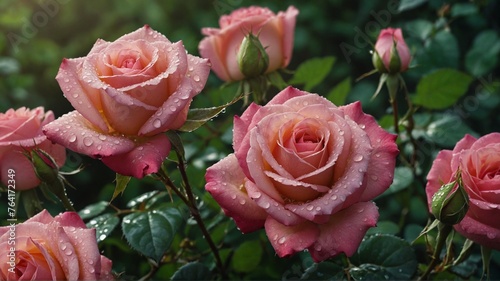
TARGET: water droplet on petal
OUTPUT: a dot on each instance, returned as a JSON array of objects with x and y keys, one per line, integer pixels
[
  {"x": 257, "y": 195},
  {"x": 266, "y": 205},
  {"x": 87, "y": 141},
  {"x": 196, "y": 78},
  {"x": 63, "y": 247},
  {"x": 157, "y": 123},
  {"x": 233, "y": 196},
  {"x": 310, "y": 207},
  {"x": 282, "y": 240},
  {"x": 69, "y": 252},
  {"x": 72, "y": 138},
  {"x": 341, "y": 132},
  {"x": 102, "y": 137},
  {"x": 374, "y": 177},
  {"x": 357, "y": 158}
]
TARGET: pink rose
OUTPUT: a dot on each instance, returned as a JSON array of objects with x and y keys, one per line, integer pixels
[
  {"x": 275, "y": 32},
  {"x": 387, "y": 39},
  {"x": 48, "y": 248},
  {"x": 21, "y": 131},
  {"x": 126, "y": 94},
  {"x": 479, "y": 164},
  {"x": 306, "y": 170}
]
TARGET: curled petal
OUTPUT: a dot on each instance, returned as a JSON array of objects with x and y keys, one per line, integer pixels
[
  {"x": 226, "y": 183},
  {"x": 479, "y": 232},
  {"x": 344, "y": 231},
  {"x": 73, "y": 131},
  {"x": 146, "y": 158},
  {"x": 439, "y": 174}
]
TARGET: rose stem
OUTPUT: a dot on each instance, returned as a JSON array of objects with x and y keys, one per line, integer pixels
[{"x": 443, "y": 232}]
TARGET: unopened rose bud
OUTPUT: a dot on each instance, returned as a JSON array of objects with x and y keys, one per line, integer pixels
[
  {"x": 450, "y": 203},
  {"x": 252, "y": 57},
  {"x": 45, "y": 166},
  {"x": 391, "y": 54}
]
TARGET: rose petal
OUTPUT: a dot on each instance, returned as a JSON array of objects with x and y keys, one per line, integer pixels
[
  {"x": 287, "y": 240},
  {"x": 379, "y": 174},
  {"x": 106, "y": 266},
  {"x": 82, "y": 97},
  {"x": 145, "y": 33},
  {"x": 289, "y": 19},
  {"x": 344, "y": 231},
  {"x": 73, "y": 131},
  {"x": 226, "y": 183},
  {"x": 208, "y": 49},
  {"x": 25, "y": 177},
  {"x": 477, "y": 231},
  {"x": 146, "y": 158}
]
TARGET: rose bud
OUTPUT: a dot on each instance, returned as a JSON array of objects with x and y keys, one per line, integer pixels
[
  {"x": 450, "y": 203},
  {"x": 252, "y": 57},
  {"x": 391, "y": 54}
]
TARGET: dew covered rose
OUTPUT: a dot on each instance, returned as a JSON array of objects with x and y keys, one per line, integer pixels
[
  {"x": 479, "y": 164},
  {"x": 126, "y": 94},
  {"x": 20, "y": 132},
  {"x": 52, "y": 248},
  {"x": 275, "y": 32},
  {"x": 305, "y": 170}
]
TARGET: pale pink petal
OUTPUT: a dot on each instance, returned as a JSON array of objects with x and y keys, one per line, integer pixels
[
  {"x": 465, "y": 143},
  {"x": 106, "y": 266},
  {"x": 70, "y": 219},
  {"x": 274, "y": 208},
  {"x": 241, "y": 123},
  {"x": 344, "y": 232},
  {"x": 288, "y": 21},
  {"x": 125, "y": 114},
  {"x": 439, "y": 174},
  {"x": 25, "y": 177},
  {"x": 287, "y": 240},
  {"x": 208, "y": 49},
  {"x": 88, "y": 252},
  {"x": 287, "y": 94},
  {"x": 82, "y": 97},
  {"x": 489, "y": 139},
  {"x": 56, "y": 272},
  {"x": 73, "y": 131},
  {"x": 477, "y": 231},
  {"x": 145, "y": 33},
  {"x": 380, "y": 171},
  {"x": 226, "y": 183},
  {"x": 146, "y": 158}
]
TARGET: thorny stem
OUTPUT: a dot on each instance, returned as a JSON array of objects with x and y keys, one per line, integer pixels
[{"x": 190, "y": 201}]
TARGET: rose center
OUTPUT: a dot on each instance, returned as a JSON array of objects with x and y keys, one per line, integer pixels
[{"x": 307, "y": 141}]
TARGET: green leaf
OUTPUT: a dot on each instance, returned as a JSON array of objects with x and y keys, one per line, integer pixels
[
  {"x": 442, "y": 88},
  {"x": 420, "y": 28},
  {"x": 141, "y": 198},
  {"x": 439, "y": 51},
  {"x": 276, "y": 80},
  {"x": 463, "y": 9},
  {"x": 176, "y": 142},
  {"x": 121, "y": 183},
  {"x": 323, "y": 271},
  {"x": 387, "y": 227},
  {"x": 447, "y": 130},
  {"x": 192, "y": 271},
  {"x": 384, "y": 257},
  {"x": 152, "y": 232},
  {"x": 93, "y": 210},
  {"x": 409, "y": 4},
  {"x": 339, "y": 93},
  {"x": 403, "y": 177},
  {"x": 199, "y": 116},
  {"x": 483, "y": 56},
  {"x": 104, "y": 225},
  {"x": 312, "y": 72},
  {"x": 247, "y": 256}
]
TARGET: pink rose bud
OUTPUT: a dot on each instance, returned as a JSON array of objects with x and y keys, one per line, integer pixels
[
  {"x": 52, "y": 248},
  {"x": 479, "y": 163},
  {"x": 275, "y": 32},
  {"x": 252, "y": 57},
  {"x": 127, "y": 93},
  {"x": 391, "y": 54},
  {"x": 20, "y": 134},
  {"x": 450, "y": 203}
]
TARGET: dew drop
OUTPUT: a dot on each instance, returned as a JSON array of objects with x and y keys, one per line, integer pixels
[
  {"x": 243, "y": 202},
  {"x": 63, "y": 247},
  {"x": 173, "y": 108},
  {"x": 102, "y": 137},
  {"x": 310, "y": 207},
  {"x": 317, "y": 247},
  {"x": 357, "y": 158},
  {"x": 196, "y": 78},
  {"x": 87, "y": 141},
  {"x": 257, "y": 195},
  {"x": 334, "y": 197},
  {"x": 341, "y": 132},
  {"x": 66, "y": 80},
  {"x": 374, "y": 177},
  {"x": 362, "y": 126},
  {"x": 360, "y": 210},
  {"x": 90, "y": 262},
  {"x": 233, "y": 196},
  {"x": 91, "y": 270},
  {"x": 72, "y": 138},
  {"x": 266, "y": 205},
  {"x": 282, "y": 240},
  {"x": 75, "y": 95},
  {"x": 71, "y": 228},
  {"x": 69, "y": 252},
  {"x": 157, "y": 123}
]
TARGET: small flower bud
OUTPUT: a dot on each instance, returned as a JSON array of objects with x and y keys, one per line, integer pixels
[
  {"x": 44, "y": 165},
  {"x": 450, "y": 203},
  {"x": 252, "y": 57},
  {"x": 391, "y": 54}
]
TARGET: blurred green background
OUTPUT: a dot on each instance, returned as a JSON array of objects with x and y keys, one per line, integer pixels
[{"x": 36, "y": 35}]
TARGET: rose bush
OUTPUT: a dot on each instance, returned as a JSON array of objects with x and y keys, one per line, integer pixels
[
  {"x": 391, "y": 52},
  {"x": 275, "y": 32},
  {"x": 52, "y": 248},
  {"x": 20, "y": 132},
  {"x": 126, "y": 94},
  {"x": 479, "y": 164},
  {"x": 305, "y": 170}
]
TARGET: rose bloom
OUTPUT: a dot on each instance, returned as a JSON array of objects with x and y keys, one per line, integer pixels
[
  {"x": 20, "y": 132},
  {"x": 305, "y": 170},
  {"x": 51, "y": 248},
  {"x": 126, "y": 94},
  {"x": 479, "y": 164},
  {"x": 386, "y": 40},
  {"x": 275, "y": 33}
]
